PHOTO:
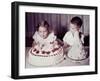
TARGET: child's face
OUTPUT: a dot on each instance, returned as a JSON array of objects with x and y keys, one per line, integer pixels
[
  {"x": 73, "y": 28},
  {"x": 43, "y": 32}
]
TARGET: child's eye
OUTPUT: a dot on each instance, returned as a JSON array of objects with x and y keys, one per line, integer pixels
[{"x": 73, "y": 28}]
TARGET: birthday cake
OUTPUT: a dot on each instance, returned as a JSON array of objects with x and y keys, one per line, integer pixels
[
  {"x": 76, "y": 53},
  {"x": 45, "y": 55}
]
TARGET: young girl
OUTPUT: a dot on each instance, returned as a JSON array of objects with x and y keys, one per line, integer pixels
[
  {"x": 74, "y": 40},
  {"x": 45, "y": 51},
  {"x": 43, "y": 36}
]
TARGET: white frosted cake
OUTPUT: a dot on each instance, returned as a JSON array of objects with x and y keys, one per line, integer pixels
[
  {"x": 76, "y": 53},
  {"x": 45, "y": 55}
]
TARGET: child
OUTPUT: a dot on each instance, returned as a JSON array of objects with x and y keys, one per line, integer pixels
[
  {"x": 73, "y": 40},
  {"x": 43, "y": 36}
]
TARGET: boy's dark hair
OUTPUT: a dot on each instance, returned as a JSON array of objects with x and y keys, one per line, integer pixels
[
  {"x": 77, "y": 21},
  {"x": 44, "y": 24}
]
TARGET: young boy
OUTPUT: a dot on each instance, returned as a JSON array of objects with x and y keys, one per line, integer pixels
[{"x": 73, "y": 40}]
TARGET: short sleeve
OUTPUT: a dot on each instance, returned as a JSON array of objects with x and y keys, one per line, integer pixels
[
  {"x": 65, "y": 37},
  {"x": 36, "y": 37},
  {"x": 68, "y": 38},
  {"x": 51, "y": 37}
]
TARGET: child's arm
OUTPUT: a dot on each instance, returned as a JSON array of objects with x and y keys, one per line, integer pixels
[
  {"x": 33, "y": 44},
  {"x": 59, "y": 42},
  {"x": 66, "y": 45},
  {"x": 35, "y": 36}
]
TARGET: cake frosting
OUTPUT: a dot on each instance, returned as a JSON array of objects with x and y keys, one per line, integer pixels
[
  {"x": 45, "y": 55},
  {"x": 76, "y": 53}
]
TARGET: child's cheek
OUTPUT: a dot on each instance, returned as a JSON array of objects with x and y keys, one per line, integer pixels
[
  {"x": 45, "y": 35},
  {"x": 73, "y": 30}
]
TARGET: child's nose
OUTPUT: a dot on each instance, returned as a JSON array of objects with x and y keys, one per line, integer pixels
[{"x": 42, "y": 33}]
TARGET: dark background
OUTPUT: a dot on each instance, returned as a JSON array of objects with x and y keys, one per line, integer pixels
[{"x": 58, "y": 22}]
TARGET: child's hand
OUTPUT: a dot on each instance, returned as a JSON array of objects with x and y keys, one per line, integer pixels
[
  {"x": 66, "y": 45},
  {"x": 55, "y": 42},
  {"x": 74, "y": 30},
  {"x": 76, "y": 33}
]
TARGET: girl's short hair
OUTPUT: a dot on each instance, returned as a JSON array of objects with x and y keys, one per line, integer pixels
[
  {"x": 43, "y": 24},
  {"x": 77, "y": 21}
]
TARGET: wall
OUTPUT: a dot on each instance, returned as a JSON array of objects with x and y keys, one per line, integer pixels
[
  {"x": 5, "y": 40},
  {"x": 57, "y": 22}
]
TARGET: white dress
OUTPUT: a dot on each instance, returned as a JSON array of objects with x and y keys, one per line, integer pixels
[
  {"x": 76, "y": 51},
  {"x": 51, "y": 37}
]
